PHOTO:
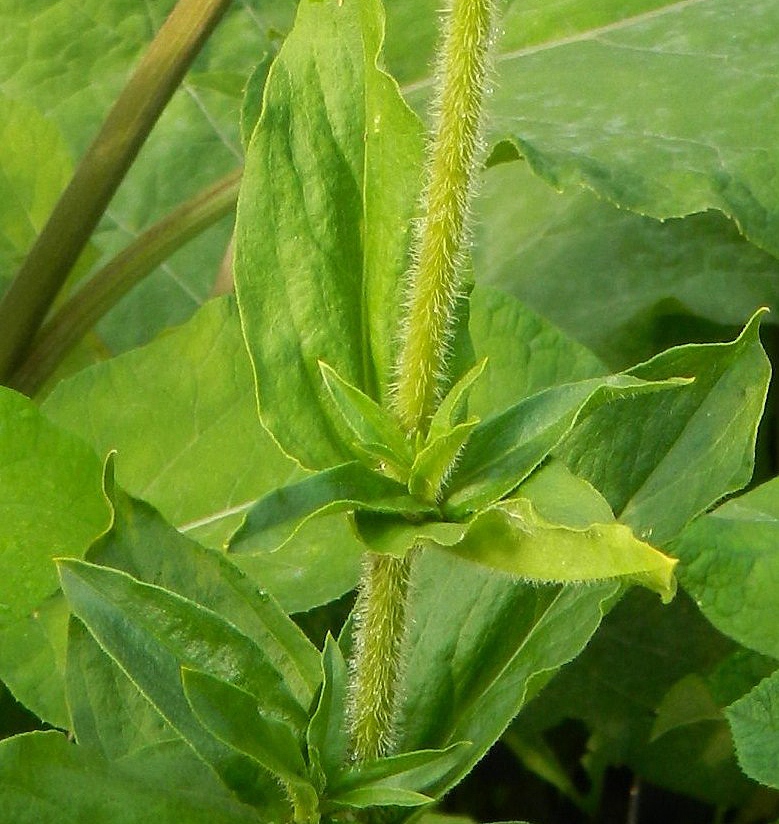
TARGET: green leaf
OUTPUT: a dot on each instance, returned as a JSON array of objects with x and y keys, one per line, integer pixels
[
  {"x": 647, "y": 284},
  {"x": 151, "y": 633},
  {"x": 143, "y": 545},
  {"x": 754, "y": 720},
  {"x": 34, "y": 168},
  {"x": 381, "y": 796},
  {"x": 702, "y": 436},
  {"x": 526, "y": 354},
  {"x": 327, "y": 736},
  {"x": 505, "y": 449},
  {"x": 235, "y": 718},
  {"x": 370, "y": 432},
  {"x": 451, "y": 411},
  {"x": 479, "y": 646},
  {"x": 325, "y": 283},
  {"x": 51, "y": 505},
  {"x": 108, "y": 713},
  {"x": 276, "y": 517},
  {"x": 181, "y": 413},
  {"x": 433, "y": 464},
  {"x": 729, "y": 564},
  {"x": 513, "y": 538},
  {"x": 44, "y": 779},
  {"x": 392, "y": 535},
  {"x": 411, "y": 771}
]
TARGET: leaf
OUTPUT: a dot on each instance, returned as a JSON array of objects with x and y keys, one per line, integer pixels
[
  {"x": 108, "y": 713},
  {"x": 647, "y": 284},
  {"x": 363, "y": 797},
  {"x": 182, "y": 415},
  {"x": 44, "y": 779},
  {"x": 371, "y": 432},
  {"x": 662, "y": 152},
  {"x": 433, "y": 464},
  {"x": 51, "y": 504},
  {"x": 34, "y": 168},
  {"x": 729, "y": 564},
  {"x": 151, "y": 633},
  {"x": 702, "y": 436},
  {"x": 525, "y": 353},
  {"x": 143, "y": 545},
  {"x": 327, "y": 737},
  {"x": 511, "y": 537},
  {"x": 235, "y": 718},
  {"x": 411, "y": 771},
  {"x": 451, "y": 411},
  {"x": 479, "y": 646},
  {"x": 324, "y": 283},
  {"x": 276, "y": 517},
  {"x": 505, "y": 449},
  {"x": 754, "y": 720}
]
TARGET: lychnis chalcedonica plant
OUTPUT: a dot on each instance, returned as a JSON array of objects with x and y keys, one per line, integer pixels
[{"x": 502, "y": 488}]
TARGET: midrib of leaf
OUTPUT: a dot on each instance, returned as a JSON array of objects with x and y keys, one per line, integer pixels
[{"x": 579, "y": 37}]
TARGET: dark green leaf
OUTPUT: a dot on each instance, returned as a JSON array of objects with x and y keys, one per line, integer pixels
[
  {"x": 235, "y": 718},
  {"x": 323, "y": 283},
  {"x": 754, "y": 720},
  {"x": 108, "y": 713},
  {"x": 702, "y": 436},
  {"x": 143, "y": 545},
  {"x": 730, "y": 563},
  {"x": 327, "y": 736},
  {"x": 276, "y": 517},
  {"x": 44, "y": 779}
]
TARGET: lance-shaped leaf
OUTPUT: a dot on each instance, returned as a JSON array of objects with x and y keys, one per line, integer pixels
[
  {"x": 276, "y": 517},
  {"x": 730, "y": 565},
  {"x": 236, "y": 719},
  {"x": 433, "y": 464},
  {"x": 333, "y": 171},
  {"x": 369, "y": 431},
  {"x": 452, "y": 409},
  {"x": 512, "y": 537},
  {"x": 702, "y": 436},
  {"x": 45, "y": 779},
  {"x": 327, "y": 736},
  {"x": 410, "y": 772},
  {"x": 504, "y": 450},
  {"x": 754, "y": 720},
  {"x": 142, "y": 544}
]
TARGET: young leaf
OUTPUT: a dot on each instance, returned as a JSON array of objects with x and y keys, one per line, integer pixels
[
  {"x": 504, "y": 450},
  {"x": 45, "y": 779},
  {"x": 143, "y": 545},
  {"x": 275, "y": 518},
  {"x": 754, "y": 720},
  {"x": 513, "y": 538},
  {"x": 411, "y": 771},
  {"x": 433, "y": 464},
  {"x": 451, "y": 410},
  {"x": 235, "y": 718},
  {"x": 730, "y": 563},
  {"x": 327, "y": 736},
  {"x": 703, "y": 436},
  {"x": 325, "y": 283},
  {"x": 371, "y": 432},
  {"x": 379, "y": 796}
]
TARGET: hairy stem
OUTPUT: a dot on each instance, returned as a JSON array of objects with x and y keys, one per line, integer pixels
[
  {"x": 99, "y": 174},
  {"x": 435, "y": 282},
  {"x": 81, "y": 312},
  {"x": 380, "y": 629}
]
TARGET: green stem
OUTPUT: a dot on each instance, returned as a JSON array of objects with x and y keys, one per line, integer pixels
[
  {"x": 435, "y": 281},
  {"x": 81, "y": 312},
  {"x": 434, "y": 289},
  {"x": 380, "y": 616},
  {"x": 99, "y": 174}
]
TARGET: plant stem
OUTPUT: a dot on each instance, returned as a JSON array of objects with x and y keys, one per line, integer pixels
[
  {"x": 380, "y": 627},
  {"x": 421, "y": 368},
  {"x": 99, "y": 174},
  {"x": 435, "y": 282},
  {"x": 82, "y": 311}
]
